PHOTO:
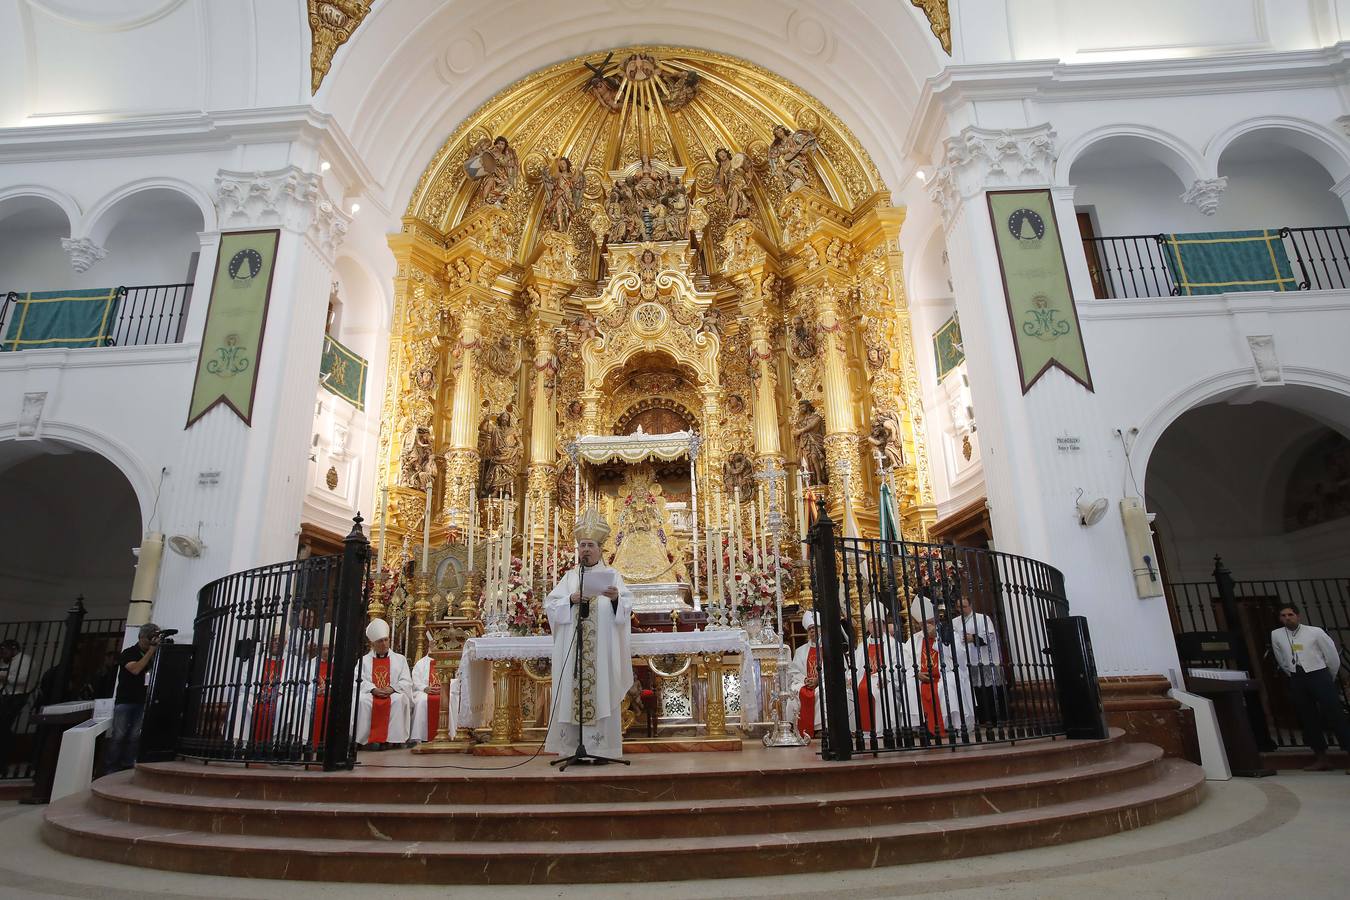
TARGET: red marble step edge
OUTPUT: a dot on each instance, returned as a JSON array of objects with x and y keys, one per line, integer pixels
[
  {"x": 414, "y": 785},
  {"x": 603, "y": 821},
  {"x": 69, "y": 828}
]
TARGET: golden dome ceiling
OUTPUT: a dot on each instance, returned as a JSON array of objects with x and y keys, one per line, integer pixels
[{"x": 672, "y": 105}]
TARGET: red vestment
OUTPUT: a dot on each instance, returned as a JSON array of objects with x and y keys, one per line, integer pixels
[
  {"x": 806, "y": 716},
  {"x": 379, "y": 706},
  {"x": 865, "y": 712},
  {"x": 931, "y": 662},
  {"x": 320, "y": 702},
  {"x": 264, "y": 710}
]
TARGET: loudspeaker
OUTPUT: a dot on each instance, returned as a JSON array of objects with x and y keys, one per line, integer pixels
[
  {"x": 165, "y": 703},
  {"x": 1080, "y": 697}
]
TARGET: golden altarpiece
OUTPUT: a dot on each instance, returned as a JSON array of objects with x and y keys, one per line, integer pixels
[{"x": 644, "y": 241}]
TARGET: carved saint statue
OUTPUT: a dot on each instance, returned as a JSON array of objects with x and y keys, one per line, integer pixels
[
  {"x": 810, "y": 437},
  {"x": 495, "y": 167},
  {"x": 738, "y": 472},
  {"x": 885, "y": 439},
  {"x": 803, "y": 343},
  {"x": 563, "y": 189},
  {"x": 788, "y": 154},
  {"x": 711, "y": 322},
  {"x": 417, "y": 466},
  {"x": 503, "y": 357},
  {"x": 501, "y": 451},
  {"x": 681, "y": 88},
  {"x": 733, "y": 183}
]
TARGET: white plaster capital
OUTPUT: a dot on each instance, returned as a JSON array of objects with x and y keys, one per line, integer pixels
[
  {"x": 982, "y": 158},
  {"x": 287, "y": 198},
  {"x": 1205, "y": 194},
  {"x": 83, "y": 252}
]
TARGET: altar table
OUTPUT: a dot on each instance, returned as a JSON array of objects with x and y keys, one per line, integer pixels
[{"x": 490, "y": 669}]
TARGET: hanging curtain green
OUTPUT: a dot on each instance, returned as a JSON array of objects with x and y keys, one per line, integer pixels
[
  {"x": 63, "y": 319},
  {"x": 1220, "y": 262},
  {"x": 342, "y": 372}
]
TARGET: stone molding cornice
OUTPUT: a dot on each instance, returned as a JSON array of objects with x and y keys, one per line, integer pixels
[
  {"x": 982, "y": 158},
  {"x": 1051, "y": 80},
  {"x": 286, "y": 198}
]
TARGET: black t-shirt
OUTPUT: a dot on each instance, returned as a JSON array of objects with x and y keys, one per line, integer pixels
[{"x": 130, "y": 688}]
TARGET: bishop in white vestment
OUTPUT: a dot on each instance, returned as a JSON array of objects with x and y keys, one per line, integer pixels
[
  {"x": 804, "y": 706},
  {"x": 426, "y": 716},
  {"x": 594, "y": 596},
  {"x": 384, "y": 701}
]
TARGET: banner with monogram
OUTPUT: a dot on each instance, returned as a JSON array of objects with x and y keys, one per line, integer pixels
[
  {"x": 947, "y": 347},
  {"x": 342, "y": 372},
  {"x": 227, "y": 368},
  {"x": 1044, "y": 320}
]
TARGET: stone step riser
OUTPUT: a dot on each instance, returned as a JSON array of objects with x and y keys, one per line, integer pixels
[
  {"x": 775, "y": 855},
  {"x": 544, "y": 825},
  {"x": 440, "y": 788}
]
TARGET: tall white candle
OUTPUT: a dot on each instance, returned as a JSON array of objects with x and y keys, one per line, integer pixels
[
  {"x": 754, "y": 533},
  {"x": 556, "y": 516},
  {"x": 527, "y": 538},
  {"x": 426, "y": 533},
  {"x": 473, "y": 524}
]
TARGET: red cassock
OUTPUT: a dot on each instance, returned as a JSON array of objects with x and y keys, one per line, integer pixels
[
  {"x": 264, "y": 710},
  {"x": 379, "y": 706},
  {"x": 806, "y": 716},
  {"x": 931, "y": 662},
  {"x": 865, "y": 712},
  {"x": 320, "y": 703}
]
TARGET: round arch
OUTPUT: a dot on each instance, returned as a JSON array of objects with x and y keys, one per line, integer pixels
[
  {"x": 14, "y": 197},
  {"x": 115, "y": 452},
  {"x": 100, "y": 221},
  {"x": 1153, "y": 143},
  {"x": 1329, "y": 150},
  {"x": 410, "y": 76}
]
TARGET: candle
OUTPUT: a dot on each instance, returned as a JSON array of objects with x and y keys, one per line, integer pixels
[
  {"x": 736, "y": 526},
  {"x": 556, "y": 516},
  {"x": 754, "y": 534},
  {"x": 426, "y": 534},
  {"x": 763, "y": 525},
  {"x": 384, "y": 527},
  {"x": 527, "y": 542},
  {"x": 473, "y": 524}
]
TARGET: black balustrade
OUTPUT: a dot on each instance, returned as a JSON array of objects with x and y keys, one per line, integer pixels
[
  {"x": 930, "y": 646},
  {"x": 146, "y": 314}
]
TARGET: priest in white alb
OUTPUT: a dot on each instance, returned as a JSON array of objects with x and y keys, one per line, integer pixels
[
  {"x": 592, "y": 599},
  {"x": 426, "y": 717},
  {"x": 804, "y": 707},
  {"x": 384, "y": 701}
]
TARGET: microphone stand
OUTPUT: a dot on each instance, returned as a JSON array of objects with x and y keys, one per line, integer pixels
[{"x": 582, "y": 755}]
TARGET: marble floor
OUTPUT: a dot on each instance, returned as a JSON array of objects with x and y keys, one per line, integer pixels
[{"x": 1282, "y": 836}]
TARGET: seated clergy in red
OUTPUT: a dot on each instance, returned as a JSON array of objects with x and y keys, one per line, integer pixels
[
  {"x": 804, "y": 705},
  {"x": 426, "y": 717},
  {"x": 384, "y": 705},
  {"x": 264, "y": 716},
  {"x": 878, "y": 675}
]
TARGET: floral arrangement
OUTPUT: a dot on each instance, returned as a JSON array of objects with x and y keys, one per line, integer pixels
[
  {"x": 520, "y": 607},
  {"x": 393, "y": 580},
  {"x": 752, "y": 591}
]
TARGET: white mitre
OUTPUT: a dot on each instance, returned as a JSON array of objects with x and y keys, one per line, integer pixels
[
  {"x": 922, "y": 610},
  {"x": 808, "y": 619},
  {"x": 377, "y": 630},
  {"x": 591, "y": 527},
  {"x": 874, "y": 611}
]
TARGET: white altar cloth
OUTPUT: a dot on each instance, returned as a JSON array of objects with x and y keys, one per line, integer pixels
[{"x": 475, "y": 670}]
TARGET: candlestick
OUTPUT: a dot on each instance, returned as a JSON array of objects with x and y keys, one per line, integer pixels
[{"x": 384, "y": 527}]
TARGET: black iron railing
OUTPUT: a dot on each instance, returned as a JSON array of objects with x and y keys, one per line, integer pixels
[
  {"x": 74, "y": 658},
  {"x": 957, "y": 648},
  {"x": 1248, "y": 611},
  {"x": 1136, "y": 265},
  {"x": 274, "y": 658},
  {"x": 146, "y": 314}
]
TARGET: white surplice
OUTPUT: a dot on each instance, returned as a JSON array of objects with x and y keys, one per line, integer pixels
[
  {"x": 421, "y": 677},
  {"x": 980, "y": 659},
  {"x": 797, "y": 674},
  {"x": 400, "y": 702},
  {"x": 900, "y": 709},
  {"x": 953, "y": 692},
  {"x": 608, "y": 664}
]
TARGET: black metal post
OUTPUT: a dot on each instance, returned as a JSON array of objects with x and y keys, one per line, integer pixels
[
  {"x": 1075, "y": 671},
  {"x": 337, "y": 745},
  {"x": 837, "y": 743},
  {"x": 74, "y": 623},
  {"x": 1237, "y": 640}
]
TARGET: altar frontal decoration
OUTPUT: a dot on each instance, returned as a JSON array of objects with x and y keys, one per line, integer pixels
[
  {"x": 343, "y": 373},
  {"x": 1036, "y": 285},
  {"x": 227, "y": 368},
  {"x": 63, "y": 319},
  {"x": 1217, "y": 262}
]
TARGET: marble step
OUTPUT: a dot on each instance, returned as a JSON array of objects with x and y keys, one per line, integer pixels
[
  {"x": 402, "y": 778},
  {"x": 72, "y": 826},
  {"x": 119, "y": 798}
]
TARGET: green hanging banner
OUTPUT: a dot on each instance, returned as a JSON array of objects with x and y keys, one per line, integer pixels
[
  {"x": 227, "y": 367},
  {"x": 1041, "y": 311}
]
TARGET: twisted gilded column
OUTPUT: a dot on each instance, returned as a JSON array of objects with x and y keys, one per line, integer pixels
[
  {"x": 461, "y": 456},
  {"x": 841, "y": 429},
  {"x": 543, "y": 420}
]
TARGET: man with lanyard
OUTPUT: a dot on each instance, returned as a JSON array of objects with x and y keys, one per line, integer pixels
[{"x": 1308, "y": 656}]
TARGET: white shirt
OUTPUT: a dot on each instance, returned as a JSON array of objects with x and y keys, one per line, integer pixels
[
  {"x": 1306, "y": 646},
  {"x": 16, "y": 675}
]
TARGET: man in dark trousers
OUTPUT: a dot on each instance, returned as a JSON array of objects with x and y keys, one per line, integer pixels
[
  {"x": 133, "y": 671},
  {"x": 1308, "y": 656}
]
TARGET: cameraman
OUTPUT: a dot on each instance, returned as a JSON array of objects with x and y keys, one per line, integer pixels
[{"x": 133, "y": 671}]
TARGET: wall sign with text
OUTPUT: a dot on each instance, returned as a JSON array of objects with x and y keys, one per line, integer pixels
[
  {"x": 1044, "y": 320},
  {"x": 227, "y": 368}
]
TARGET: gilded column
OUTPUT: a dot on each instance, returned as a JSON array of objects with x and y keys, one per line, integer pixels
[
  {"x": 461, "y": 457},
  {"x": 841, "y": 429},
  {"x": 543, "y": 419}
]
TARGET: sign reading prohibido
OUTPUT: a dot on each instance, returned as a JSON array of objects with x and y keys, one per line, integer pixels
[
  {"x": 1036, "y": 286},
  {"x": 227, "y": 369}
]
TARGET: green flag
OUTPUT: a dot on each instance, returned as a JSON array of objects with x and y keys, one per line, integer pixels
[
  {"x": 1036, "y": 284},
  {"x": 890, "y": 531},
  {"x": 227, "y": 367}
]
